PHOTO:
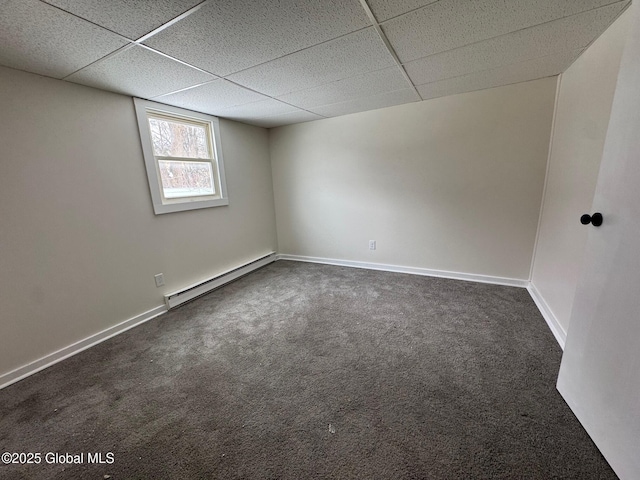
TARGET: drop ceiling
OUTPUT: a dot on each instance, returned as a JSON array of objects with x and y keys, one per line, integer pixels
[{"x": 276, "y": 62}]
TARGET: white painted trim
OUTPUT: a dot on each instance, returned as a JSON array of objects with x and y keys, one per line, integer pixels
[
  {"x": 555, "y": 327},
  {"x": 19, "y": 373},
  {"x": 547, "y": 314},
  {"x": 181, "y": 296},
  {"x": 471, "y": 277},
  {"x": 162, "y": 205},
  {"x": 546, "y": 175}
]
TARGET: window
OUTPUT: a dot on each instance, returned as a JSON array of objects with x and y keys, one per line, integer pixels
[{"x": 183, "y": 157}]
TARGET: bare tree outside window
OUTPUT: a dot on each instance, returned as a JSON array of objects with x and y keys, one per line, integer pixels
[
  {"x": 182, "y": 157},
  {"x": 172, "y": 139},
  {"x": 182, "y": 178},
  {"x": 186, "y": 179}
]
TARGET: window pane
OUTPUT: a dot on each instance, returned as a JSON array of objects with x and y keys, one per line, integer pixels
[
  {"x": 174, "y": 139},
  {"x": 186, "y": 179}
]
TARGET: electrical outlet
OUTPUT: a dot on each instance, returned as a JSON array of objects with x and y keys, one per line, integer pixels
[
  {"x": 372, "y": 244},
  {"x": 159, "y": 280}
]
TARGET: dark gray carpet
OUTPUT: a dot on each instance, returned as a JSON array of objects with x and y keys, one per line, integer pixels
[{"x": 312, "y": 371}]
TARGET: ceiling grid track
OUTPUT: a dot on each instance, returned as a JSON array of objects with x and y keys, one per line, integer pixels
[
  {"x": 139, "y": 41},
  {"x": 530, "y": 27},
  {"x": 131, "y": 47},
  {"x": 124, "y": 48},
  {"x": 624, "y": 9},
  {"x": 387, "y": 44},
  {"x": 272, "y": 97},
  {"x": 67, "y": 12},
  {"x": 166, "y": 25},
  {"x": 159, "y": 97}
]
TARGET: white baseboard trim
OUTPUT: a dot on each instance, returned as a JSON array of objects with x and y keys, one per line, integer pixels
[
  {"x": 547, "y": 314},
  {"x": 555, "y": 327},
  {"x": 472, "y": 277},
  {"x": 191, "y": 292},
  {"x": 19, "y": 373}
]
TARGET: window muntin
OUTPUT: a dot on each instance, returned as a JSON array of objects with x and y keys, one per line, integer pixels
[
  {"x": 171, "y": 138},
  {"x": 183, "y": 157},
  {"x": 186, "y": 179}
]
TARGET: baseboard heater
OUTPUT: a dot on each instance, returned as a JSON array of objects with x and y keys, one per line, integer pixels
[{"x": 175, "y": 299}]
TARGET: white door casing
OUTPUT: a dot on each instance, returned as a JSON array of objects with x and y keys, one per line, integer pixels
[{"x": 600, "y": 371}]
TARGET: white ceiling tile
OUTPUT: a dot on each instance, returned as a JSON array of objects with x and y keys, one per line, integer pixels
[
  {"x": 212, "y": 97},
  {"x": 321, "y": 56},
  {"x": 139, "y": 72},
  {"x": 514, "y": 73},
  {"x": 347, "y": 56},
  {"x": 387, "y": 99},
  {"x": 449, "y": 24},
  {"x": 298, "y": 116},
  {"x": 371, "y": 83},
  {"x": 257, "y": 110},
  {"x": 226, "y": 36},
  {"x": 131, "y": 19},
  {"x": 386, "y": 9},
  {"x": 39, "y": 38},
  {"x": 568, "y": 33}
]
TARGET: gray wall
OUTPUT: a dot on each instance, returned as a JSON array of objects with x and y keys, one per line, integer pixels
[
  {"x": 79, "y": 243},
  {"x": 449, "y": 184}
]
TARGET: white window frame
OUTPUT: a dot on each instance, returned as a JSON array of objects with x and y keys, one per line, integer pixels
[{"x": 145, "y": 108}]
